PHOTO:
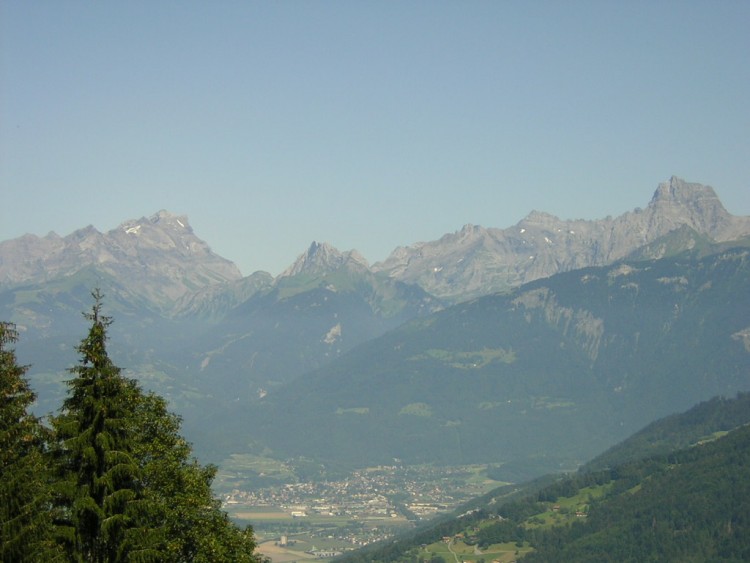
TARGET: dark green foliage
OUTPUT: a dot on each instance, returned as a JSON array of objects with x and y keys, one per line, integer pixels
[
  {"x": 677, "y": 431},
  {"x": 501, "y": 531},
  {"x": 25, "y": 525},
  {"x": 99, "y": 476},
  {"x": 693, "y": 505},
  {"x": 185, "y": 521},
  {"x": 659, "y": 475},
  {"x": 127, "y": 486}
]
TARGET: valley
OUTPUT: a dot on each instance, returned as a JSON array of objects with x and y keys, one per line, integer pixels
[
  {"x": 674, "y": 491},
  {"x": 369, "y": 505},
  {"x": 345, "y": 405},
  {"x": 374, "y": 282}
]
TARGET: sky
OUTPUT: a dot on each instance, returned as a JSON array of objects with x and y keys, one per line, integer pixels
[{"x": 367, "y": 125}]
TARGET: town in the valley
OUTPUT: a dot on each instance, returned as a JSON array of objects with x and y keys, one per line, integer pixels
[{"x": 326, "y": 518}]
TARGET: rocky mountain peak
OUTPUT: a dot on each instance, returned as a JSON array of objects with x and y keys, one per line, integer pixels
[
  {"x": 158, "y": 258},
  {"x": 677, "y": 202},
  {"x": 165, "y": 218},
  {"x": 321, "y": 257},
  {"x": 678, "y": 191},
  {"x": 477, "y": 261},
  {"x": 174, "y": 226},
  {"x": 468, "y": 235},
  {"x": 85, "y": 232},
  {"x": 539, "y": 218}
]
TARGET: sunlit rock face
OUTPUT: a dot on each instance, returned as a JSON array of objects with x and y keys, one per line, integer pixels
[
  {"x": 478, "y": 261},
  {"x": 158, "y": 258}
]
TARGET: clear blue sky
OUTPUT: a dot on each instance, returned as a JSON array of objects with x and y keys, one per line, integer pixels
[{"x": 368, "y": 125}]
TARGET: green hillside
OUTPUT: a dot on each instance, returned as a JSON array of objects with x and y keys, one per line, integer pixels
[
  {"x": 688, "y": 504},
  {"x": 693, "y": 505},
  {"x": 549, "y": 374},
  {"x": 703, "y": 422}
]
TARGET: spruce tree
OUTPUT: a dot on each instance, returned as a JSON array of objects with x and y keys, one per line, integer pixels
[
  {"x": 99, "y": 476},
  {"x": 129, "y": 489},
  {"x": 25, "y": 524}
]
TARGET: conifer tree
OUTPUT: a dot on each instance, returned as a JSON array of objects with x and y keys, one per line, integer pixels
[
  {"x": 129, "y": 488},
  {"x": 25, "y": 525},
  {"x": 98, "y": 473}
]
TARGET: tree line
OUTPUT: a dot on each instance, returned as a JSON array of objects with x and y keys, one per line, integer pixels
[{"x": 109, "y": 478}]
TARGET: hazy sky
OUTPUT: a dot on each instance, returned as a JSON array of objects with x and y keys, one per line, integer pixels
[{"x": 368, "y": 125}]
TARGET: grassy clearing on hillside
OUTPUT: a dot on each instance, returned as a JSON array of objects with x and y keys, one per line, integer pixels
[
  {"x": 567, "y": 509},
  {"x": 459, "y": 551},
  {"x": 563, "y": 511}
]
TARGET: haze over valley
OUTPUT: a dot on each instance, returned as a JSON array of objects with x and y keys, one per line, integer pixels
[
  {"x": 374, "y": 283},
  {"x": 528, "y": 349},
  {"x": 225, "y": 348}
]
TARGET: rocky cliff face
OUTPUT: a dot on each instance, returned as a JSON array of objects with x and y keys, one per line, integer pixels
[
  {"x": 157, "y": 258},
  {"x": 322, "y": 257},
  {"x": 476, "y": 260}
]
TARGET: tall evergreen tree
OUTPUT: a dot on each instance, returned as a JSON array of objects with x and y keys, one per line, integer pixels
[
  {"x": 25, "y": 524},
  {"x": 99, "y": 475},
  {"x": 129, "y": 488}
]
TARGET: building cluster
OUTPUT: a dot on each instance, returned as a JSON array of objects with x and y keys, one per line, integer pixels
[
  {"x": 381, "y": 492},
  {"x": 375, "y": 501}
]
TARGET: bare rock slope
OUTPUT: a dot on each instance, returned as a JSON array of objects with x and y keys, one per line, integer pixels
[
  {"x": 157, "y": 258},
  {"x": 477, "y": 260}
]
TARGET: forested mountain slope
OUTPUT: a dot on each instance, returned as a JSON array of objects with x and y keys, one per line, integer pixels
[
  {"x": 688, "y": 502},
  {"x": 693, "y": 505},
  {"x": 556, "y": 371}
]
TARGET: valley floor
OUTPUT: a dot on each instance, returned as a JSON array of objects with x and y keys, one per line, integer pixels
[{"x": 306, "y": 520}]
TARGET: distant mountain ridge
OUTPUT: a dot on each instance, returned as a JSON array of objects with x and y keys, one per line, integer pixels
[
  {"x": 321, "y": 258},
  {"x": 192, "y": 328},
  {"x": 158, "y": 258},
  {"x": 477, "y": 260},
  {"x": 161, "y": 260}
]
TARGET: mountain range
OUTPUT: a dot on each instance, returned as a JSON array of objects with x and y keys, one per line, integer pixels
[
  {"x": 158, "y": 259},
  {"x": 552, "y": 371},
  {"x": 581, "y": 345},
  {"x": 477, "y": 260},
  {"x": 161, "y": 261}
]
